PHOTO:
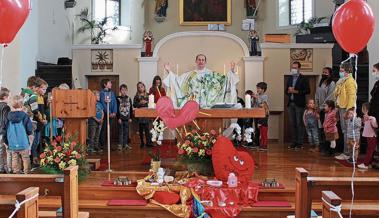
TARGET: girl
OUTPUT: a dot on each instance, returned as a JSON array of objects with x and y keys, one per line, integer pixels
[
  {"x": 141, "y": 99},
  {"x": 330, "y": 125},
  {"x": 310, "y": 118},
  {"x": 156, "y": 89},
  {"x": 369, "y": 131}
]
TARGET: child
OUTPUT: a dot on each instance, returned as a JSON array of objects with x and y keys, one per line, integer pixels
[
  {"x": 369, "y": 131},
  {"x": 330, "y": 125},
  {"x": 354, "y": 125},
  {"x": 310, "y": 119},
  {"x": 107, "y": 95},
  {"x": 125, "y": 110},
  {"x": 141, "y": 99},
  {"x": 261, "y": 100},
  {"x": 19, "y": 128},
  {"x": 94, "y": 126},
  {"x": 156, "y": 89},
  {"x": 4, "y": 110}
]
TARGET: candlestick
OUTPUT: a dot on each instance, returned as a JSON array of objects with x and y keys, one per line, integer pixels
[
  {"x": 177, "y": 69},
  {"x": 247, "y": 101}
]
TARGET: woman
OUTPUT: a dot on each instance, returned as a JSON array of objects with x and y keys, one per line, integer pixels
[
  {"x": 324, "y": 92},
  {"x": 157, "y": 90},
  {"x": 374, "y": 102}
]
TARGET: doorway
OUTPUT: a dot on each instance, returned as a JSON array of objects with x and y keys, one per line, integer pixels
[
  {"x": 94, "y": 84},
  {"x": 287, "y": 128}
]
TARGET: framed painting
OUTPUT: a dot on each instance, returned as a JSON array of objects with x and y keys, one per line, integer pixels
[
  {"x": 102, "y": 60},
  {"x": 200, "y": 12},
  {"x": 304, "y": 56}
]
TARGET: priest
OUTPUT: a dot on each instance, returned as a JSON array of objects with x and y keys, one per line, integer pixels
[{"x": 204, "y": 85}]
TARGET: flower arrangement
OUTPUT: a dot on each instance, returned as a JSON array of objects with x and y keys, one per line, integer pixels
[
  {"x": 60, "y": 154},
  {"x": 157, "y": 131},
  {"x": 197, "y": 146}
]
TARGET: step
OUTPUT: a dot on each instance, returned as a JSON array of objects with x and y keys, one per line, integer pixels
[
  {"x": 94, "y": 163},
  {"x": 53, "y": 214}
]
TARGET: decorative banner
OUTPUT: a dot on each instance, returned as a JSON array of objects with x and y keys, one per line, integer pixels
[
  {"x": 13, "y": 14},
  {"x": 353, "y": 25},
  {"x": 304, "y": 56}
]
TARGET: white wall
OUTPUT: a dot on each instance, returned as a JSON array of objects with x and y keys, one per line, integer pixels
[
  {"x": 55, "y": 27},
  {"x": 373, "y": 45}
]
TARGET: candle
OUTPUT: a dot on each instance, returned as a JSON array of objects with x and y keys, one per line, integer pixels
[
  {"x": 177, "y": 69},
  {"x": 247, "y": 101},
  {"x": 151, "y": 103},
  {"x": 224, "y": 69},
  {"x": 237, "y": 70}
]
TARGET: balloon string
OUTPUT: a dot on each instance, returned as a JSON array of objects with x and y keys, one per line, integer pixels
[{"x": 1, "y": 65}]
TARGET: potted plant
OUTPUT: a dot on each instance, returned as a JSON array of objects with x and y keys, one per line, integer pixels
[
  {"x": 155, "y": 160},
  {"x": 99, "y": 29},
  {"x": 306, "y": 26}
]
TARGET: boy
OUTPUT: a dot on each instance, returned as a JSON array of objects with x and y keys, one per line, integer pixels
[
  {"x": 261, "y": 100},
  {"x": 107, "y": 95},
  {"x": 353, "y": 131},
  {"x": 4, "y": 110},
  {"x": 124, "y": 115},
  {"x": 19, "y": 128},
  {"x": 94, "y": 126},
  {"x": 39, "y": 117}
]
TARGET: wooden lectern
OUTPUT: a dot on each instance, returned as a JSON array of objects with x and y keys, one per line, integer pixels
[{"x": 75, "y": 107}]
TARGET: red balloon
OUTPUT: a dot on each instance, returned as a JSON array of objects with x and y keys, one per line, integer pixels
[
  {"x": 13, "y": 14},
  {"x": 353, "y": 25}
]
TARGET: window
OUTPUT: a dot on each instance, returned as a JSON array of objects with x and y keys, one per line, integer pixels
[
  {"x": 107, "y": 8},
  {"x": 293, "y": 12}
]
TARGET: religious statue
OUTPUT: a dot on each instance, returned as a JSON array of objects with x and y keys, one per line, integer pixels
[
  {"x": 161, "y": 8},
  {"x": 205, "y": 86},
  {"x": 254, "y": 39},
  {"x": 148, "y": 42},
  {"x": 251, "y": 6}
]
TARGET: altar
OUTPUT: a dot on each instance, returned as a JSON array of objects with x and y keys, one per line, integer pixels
[{"x": 209, "y": 119}]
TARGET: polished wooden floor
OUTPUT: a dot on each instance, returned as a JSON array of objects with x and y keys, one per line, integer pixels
[{"x": 277, "y": 162}]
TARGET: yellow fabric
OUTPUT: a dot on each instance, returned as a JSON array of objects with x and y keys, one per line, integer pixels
[
  {"x": 147, "y": 191},
  {"x": 346, "y": 93}
]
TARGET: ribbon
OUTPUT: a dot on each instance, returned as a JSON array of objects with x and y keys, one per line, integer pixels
[
  {"x": 333, "y": 208},
  {"x": 18, "y": 205},
  {"x": 1, "y": 64}
]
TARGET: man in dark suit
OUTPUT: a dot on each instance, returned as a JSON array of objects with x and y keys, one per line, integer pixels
[{"x": 296, "y": 89}]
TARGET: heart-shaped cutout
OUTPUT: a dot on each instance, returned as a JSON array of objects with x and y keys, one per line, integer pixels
[
  {"x": 13, "y": 14},
  {"x": 226, "y": 159},
  {"x": 166, "y": 112}
]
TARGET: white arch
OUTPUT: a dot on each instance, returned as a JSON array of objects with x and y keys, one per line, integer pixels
[{"x": 201, "y": 33}]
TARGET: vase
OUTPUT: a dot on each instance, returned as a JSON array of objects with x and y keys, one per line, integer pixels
[
  {"x": 155, "y": 165},
  {"x": 204, "y": 168}
]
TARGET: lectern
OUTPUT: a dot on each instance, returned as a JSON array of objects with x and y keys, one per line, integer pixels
[{"x": 75, "y": 107}]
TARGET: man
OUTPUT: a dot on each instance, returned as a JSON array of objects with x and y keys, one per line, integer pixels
[
  {"x": 297, "y": 88},
  {"x": 205, "y": 86}
]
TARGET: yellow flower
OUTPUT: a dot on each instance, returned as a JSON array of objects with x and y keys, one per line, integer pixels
[
  {"x": 49, "y": 159},
  {"x": 72, "y": 163},
  {"x": 42, "y": 162},
  {"x": 66, "y": 145},
  {"x": 62, "y": 165}
]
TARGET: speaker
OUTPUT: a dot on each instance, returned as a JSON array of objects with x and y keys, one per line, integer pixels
[{"x": 69, "y": 3}]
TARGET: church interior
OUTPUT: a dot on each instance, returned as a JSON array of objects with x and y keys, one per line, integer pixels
[{"x": 189, "y": 108}]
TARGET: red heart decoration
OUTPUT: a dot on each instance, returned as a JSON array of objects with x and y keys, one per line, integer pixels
[
  {"x": 226, "y": 159},
  {"x": 13, "y": 14},
  {"x": 166, "y": 112}
]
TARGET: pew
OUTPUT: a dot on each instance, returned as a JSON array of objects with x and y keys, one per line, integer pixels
[
  {"x": 27, "y": 210},
  {"x": 309, "y": 189},
  {"x": 65, "y": 186},
  {"x": 360, "y": 209}
]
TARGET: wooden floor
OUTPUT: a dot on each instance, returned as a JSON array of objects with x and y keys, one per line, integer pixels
[{"x": 278, "y": 163}]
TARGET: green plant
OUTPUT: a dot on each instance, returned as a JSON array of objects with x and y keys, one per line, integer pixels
[
  {"x": 305, "y": 26},
  {"x": 155, "y": 154},
  {"x": 99, "y": 29}
]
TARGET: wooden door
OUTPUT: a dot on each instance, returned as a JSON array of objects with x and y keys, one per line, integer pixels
[
  {"x": 287, "y": 128},
  {"x": 94, "y": 84}
]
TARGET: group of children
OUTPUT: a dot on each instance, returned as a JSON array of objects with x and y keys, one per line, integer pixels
[
  {"x": 22, "y": 123},
  {"x": 258, "y": 100},
  {"x": 121, "y": 109},
  {"x": 330, "y": 131}
]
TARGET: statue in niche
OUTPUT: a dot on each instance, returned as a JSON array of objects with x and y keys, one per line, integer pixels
[
  {"x": 161, "y": 10},
  {"x": 254, "y": 39},
  {"x": 251, "y": 6},
  {"x": 148, "y": 43}
]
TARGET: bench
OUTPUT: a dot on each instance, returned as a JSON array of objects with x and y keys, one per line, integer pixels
[
  {"x": 27, "y": 210},
  {"x": 65, "y": 186},
  {"x": 309, "y": 189}
]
